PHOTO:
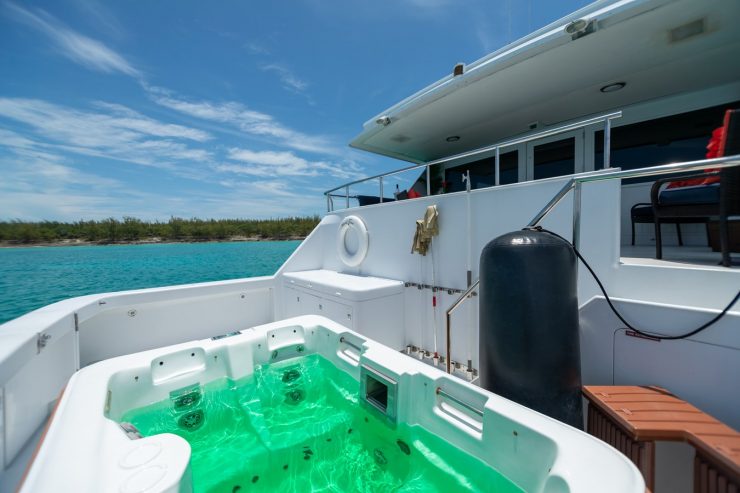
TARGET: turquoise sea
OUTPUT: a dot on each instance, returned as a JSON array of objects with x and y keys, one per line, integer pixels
[{"x": 37, "y": 276}]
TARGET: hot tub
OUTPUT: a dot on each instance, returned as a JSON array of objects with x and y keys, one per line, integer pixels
[{"x": 305, "y": 405}]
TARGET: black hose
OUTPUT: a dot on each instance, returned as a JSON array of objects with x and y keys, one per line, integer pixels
[{"x": 620, "y": 317}]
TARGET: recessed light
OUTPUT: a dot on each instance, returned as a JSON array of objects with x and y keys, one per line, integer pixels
[
  {"x": 576, "y": 26},
  {"x": 613, "y": 87},
  {"x": 453, "y": 138}
]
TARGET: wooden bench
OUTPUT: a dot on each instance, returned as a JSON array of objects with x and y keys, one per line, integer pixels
[{"x": 632, "y": 419}]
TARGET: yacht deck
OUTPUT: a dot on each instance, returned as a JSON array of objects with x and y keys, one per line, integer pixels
[{"x": 674, "y": 256}]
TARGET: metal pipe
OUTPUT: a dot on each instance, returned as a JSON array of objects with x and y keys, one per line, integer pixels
[
  {"x": 700, "y": 165},
  {"x": 346, "y": 194},
  {"x": 550, "y": 205},
  {"x": 454, "y": 399},
  {"x": 328, "y": 203},
  {"x": 497, "y": 167},
  {"x": 507, "y": 143},
  {"x": 664, "y": 169},
  {"x": 381, "y": 189},
  {"x": 429, "y": 181},
  {"x": 607, "y": 143},
  {"x": 350, "y": 344},
  {"x": 577, "y": 214},
  {"x": 448, "y": 318}
]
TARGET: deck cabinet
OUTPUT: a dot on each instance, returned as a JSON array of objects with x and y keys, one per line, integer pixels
[{"x": 369, "y": 305}]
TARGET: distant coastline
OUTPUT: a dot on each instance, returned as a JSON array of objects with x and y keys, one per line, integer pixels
[
  {"x": 132, "y": 231},
  {"x": 146, "y": 241}
]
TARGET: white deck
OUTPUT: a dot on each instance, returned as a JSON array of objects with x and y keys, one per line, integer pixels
[{"x": 675, "y": 256}]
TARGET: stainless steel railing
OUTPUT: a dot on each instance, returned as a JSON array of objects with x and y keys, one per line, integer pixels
[
  {"x": 575, "y": 185},
  {"x": 448, "y": 317},
  {"x": 495, "y": 148}
]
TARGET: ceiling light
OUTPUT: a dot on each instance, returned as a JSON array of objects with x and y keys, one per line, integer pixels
[
  {"x": 577, "y": 26},
  {"x": 613, "y": 87},
  {"x": 384, "y": 120},
  {"x": 453, "y": 138},
  {"x": 580, "y": 27}
]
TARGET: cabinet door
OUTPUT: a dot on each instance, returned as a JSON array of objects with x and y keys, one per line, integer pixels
[
  {"x": 300, "y": 303},
  {"x": 342, "y": 314}
]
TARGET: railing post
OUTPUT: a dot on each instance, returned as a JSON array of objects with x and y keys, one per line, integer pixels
[
  {"x": 607, "y": 143},
  {"x": 429, "y": 181},
  {"x": 381, "y": 189},
  {"x": 328, "y": 203},
  {"x": 448, "y": 321},
  {"x": 497, "y": 168},
  {"x": 576, "y": 213},
  {"x": 346, "y": 194}
]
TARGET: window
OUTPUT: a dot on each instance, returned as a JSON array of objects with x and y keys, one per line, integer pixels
[
  {"x": 554, "y": 158},
  {"x": 483, "y": 172},
  {"x": 671, "y": 139}
]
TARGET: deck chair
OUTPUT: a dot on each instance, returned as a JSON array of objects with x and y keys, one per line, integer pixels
[{"x": 699, "y": 203}]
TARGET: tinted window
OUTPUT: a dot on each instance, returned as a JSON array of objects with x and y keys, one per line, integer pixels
[
  {"x": 483, "y": 172},
  {"x": 555, "y": 158},
  {"x": 666, "y": 140}
]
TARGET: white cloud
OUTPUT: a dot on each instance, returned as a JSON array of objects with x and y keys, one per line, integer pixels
[
  {"x": 289, "y": 80},
  {"x": 119, "y": 133},
  {"x": 77, "y": 47},
  {"x": 103, "y": 20},
  {"x": 248, "y": 121},
  {"x": 268, "y": 187},
  {"x": 282, "y": 163},
  {"x": 256, "y": 48}
]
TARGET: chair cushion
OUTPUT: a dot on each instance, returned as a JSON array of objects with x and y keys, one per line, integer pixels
[
  {"x": 644, "y": 211},
  {"x": 706, "y": 194}
]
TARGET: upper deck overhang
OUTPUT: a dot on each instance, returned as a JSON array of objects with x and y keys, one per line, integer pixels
[{"x": 656, "y": 47}]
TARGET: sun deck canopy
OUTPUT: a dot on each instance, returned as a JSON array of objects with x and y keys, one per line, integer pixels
[{"x": 654, "y": 48}]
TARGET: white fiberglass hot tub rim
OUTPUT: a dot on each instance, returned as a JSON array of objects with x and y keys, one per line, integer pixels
[{"x": 85, "y": 449}]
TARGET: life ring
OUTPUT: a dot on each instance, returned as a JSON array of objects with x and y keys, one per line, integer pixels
[{"x": 355, "y": 224}]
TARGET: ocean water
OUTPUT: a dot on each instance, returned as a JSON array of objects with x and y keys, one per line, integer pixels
[
  {"x": 297, "y": 427},
  {"x": 37, "y": 276}
]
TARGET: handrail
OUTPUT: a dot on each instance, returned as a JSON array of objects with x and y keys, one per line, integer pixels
[
  {"x": 574, "y": 184},
  {"x": 664, "y": 169},
  {"x": 448, "y": 315},
  {"x": 606, "y": 118},
  {"x": 469, "y": 407}
]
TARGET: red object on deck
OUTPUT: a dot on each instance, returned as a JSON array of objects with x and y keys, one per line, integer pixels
[{"x": 715, "y": 148}]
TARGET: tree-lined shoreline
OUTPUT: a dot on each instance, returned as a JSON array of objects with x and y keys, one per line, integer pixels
[{"x": 130, "y": 230}]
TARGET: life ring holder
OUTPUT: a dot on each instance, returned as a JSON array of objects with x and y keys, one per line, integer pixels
[{"x": 358, "y": 225}]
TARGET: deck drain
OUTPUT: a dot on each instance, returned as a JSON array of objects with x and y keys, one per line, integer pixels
[
  {"x": 291, "y": 375},
  {"x": 192, "y": 420},
  {"x": 379, "y": 457},
  {"x": 404, "y": 447},
  {"x": 295, "y": 396}
]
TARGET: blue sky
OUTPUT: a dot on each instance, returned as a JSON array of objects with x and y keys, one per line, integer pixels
[{"x": 217, "y": 109}]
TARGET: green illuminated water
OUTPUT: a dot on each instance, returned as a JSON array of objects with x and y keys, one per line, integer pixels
[{"x": 297, "y": 426}]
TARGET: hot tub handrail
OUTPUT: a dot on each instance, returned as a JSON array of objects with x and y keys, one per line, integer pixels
[
  {"x": 462, "y": 403},
  {"x": 351, "y": 344}
]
